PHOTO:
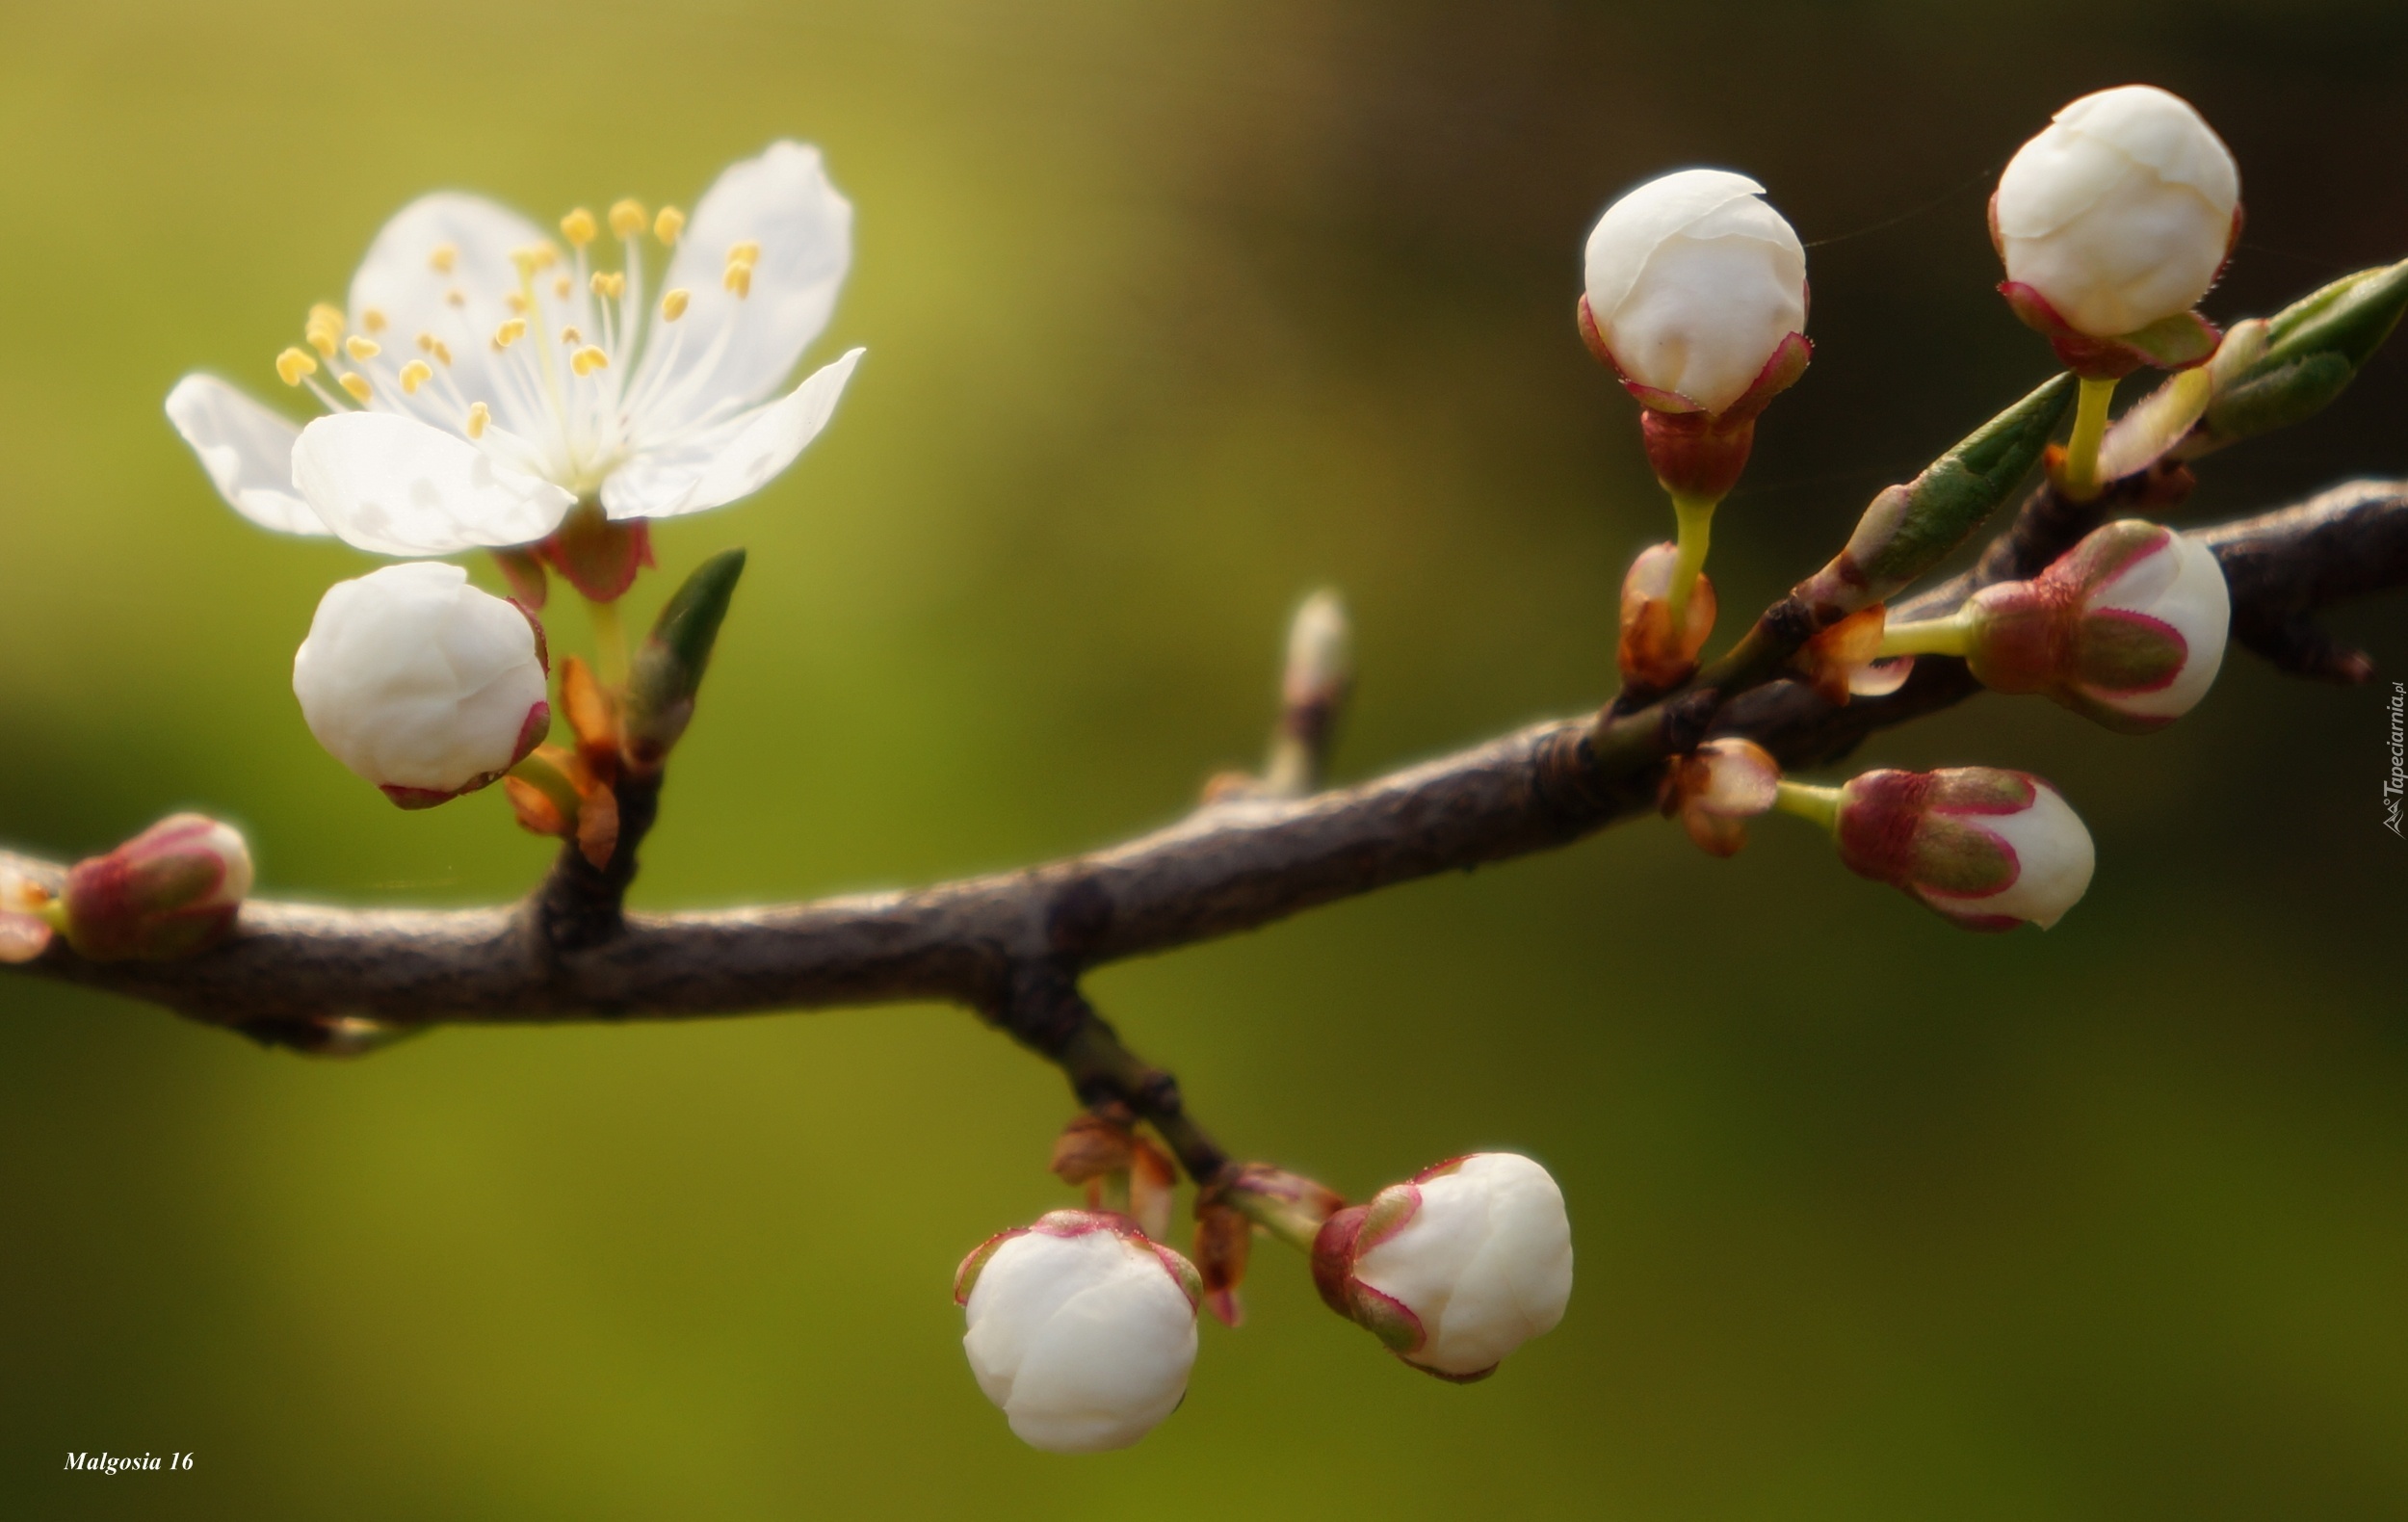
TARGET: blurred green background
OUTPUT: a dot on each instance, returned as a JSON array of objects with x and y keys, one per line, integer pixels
[{"x": 1175, "y": 311}]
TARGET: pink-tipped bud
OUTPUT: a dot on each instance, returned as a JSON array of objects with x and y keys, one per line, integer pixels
[
  {"x": 1080, "y": 1328},
  {"x": 421, "y": 683},
  {"x": 1987, "y": 847},
  {"x": 1456, "y": 1266},
  {"x": 171, "y": 891},
  {"x": 2128, "y": 628},
  {"x": 1654, "y": 655},
  {"x": 1716, "y": 789}
]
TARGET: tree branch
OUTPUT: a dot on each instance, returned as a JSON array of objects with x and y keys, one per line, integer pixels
[{"x": 1012, "y": 945}]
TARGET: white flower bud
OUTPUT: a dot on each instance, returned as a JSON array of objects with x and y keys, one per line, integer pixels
[
  {"x": 1988, "y": 848},
  {"x": 421, "y": 683},
  {"x": 1080, "y": 1328},
  {"x": 2128, "y": 628},
  {"x": 1455, "y": 1268},
  {"x": 2119, "y": 214},
  {"x": 1695, "y": 284}
]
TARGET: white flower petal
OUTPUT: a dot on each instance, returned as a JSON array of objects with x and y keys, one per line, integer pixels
[
  {"x": 399, "y": 280},
  {"x": 2196, "y": 601},
  {"x": 733, "y": 461},
  {"x": 2053, "y": 859},
  {"x": 2163, "y": 131},
  {"x": 399, "y": 488},
  {"x": 726, "y": 353},
  {"x": 1631, "y": 228},
  {"x": 247, "y": 449}
]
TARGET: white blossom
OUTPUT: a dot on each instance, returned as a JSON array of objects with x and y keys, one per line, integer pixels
[
  {"x": 2121, "y": 212},
  {"x": 1080, "y": 1328},
  {"x": 482, "y": 379},
  {"x": 1694, "y": 283},
  {"x": 421, "y": 683}
]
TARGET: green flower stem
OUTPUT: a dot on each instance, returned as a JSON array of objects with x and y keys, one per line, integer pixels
[
  {"x": 1948, "y": 635},
  {"x": 2082, "y": 450},
  {"x": 610, "y": 643},
  {"x": 1696, "y": 515},
  {"x": 1296, "y": 1227},
  {"x": 549, "y": 780},
  {"x": 1821, "y": 804}
]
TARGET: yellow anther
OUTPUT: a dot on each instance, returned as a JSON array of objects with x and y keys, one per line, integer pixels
[
  {"x": 674, "y": 304},
  {"x": 443, "y": 352},
  {"x": 587, "y": 361},
  {"x": 444, "y": 256},
  {"x": 740, "y": 279},
  {"x": 509, "y": 332},
  {"x": 478, "y": 415},
  {"x": 361, "y": 349},
  {"x": 669, "y": 225},
  {"x": 515, "y": 301},
  {"x": 293, "y": 364},
  {"x": 534, "y": 256},
  {"x": 323, "y": 330},
  {"x": 415, "y": 374},
  {"x": 572, "y": 336},
  {"x": 357, "y": 384},
  {"x": 744, "y": 252},
  {"x": 627, "y": 218},
  {"x": 578, "y": 227},
  {"x": 426, "y": 343},
  {"x": 609, "y": 283},
  {"x": 562, "y": 287},
  {"x": 372, "y": 319},
  {"x": 455, "y": 299}
]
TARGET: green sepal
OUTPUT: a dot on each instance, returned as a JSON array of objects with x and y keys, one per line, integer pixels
[
  {"x": 1910, "y": 529},
  {"x": 669, "y": 669},
  {"x": 2175, "y": 342},
  {"x": 2315, "y": 348}
]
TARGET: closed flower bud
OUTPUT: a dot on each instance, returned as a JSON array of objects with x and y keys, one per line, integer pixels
[
  {"x": 421, "y": 683},
  {"x": 1080, "y": 1328},
  {"x": 2128, "y": 628},
  {"x": 1654, "y": 656},
  {"x": 2118, "y": 217},
  {"x": 1697, "y": 298},
  {"x": 171, "y": 891},
  {"x": 1455, "y": 1268},
  {"x": 1695, "y": 284},
  {"x": 1987, "y": 847}
]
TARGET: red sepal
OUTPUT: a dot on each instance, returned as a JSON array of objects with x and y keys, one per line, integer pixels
[{"x": 599, "y": 557}]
